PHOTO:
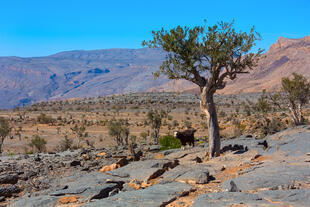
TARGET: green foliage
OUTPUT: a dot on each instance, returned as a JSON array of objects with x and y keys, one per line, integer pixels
[
  {"x": 296, "y": 92},
  {"x": 273, "y": 126},
  {"x": 144, "y": 135},
  {"x": 263, "y": 104},
  {"x": 38, "y": 143},
  {"x": 296, "y": 89},
  {"x": 119, "y": 130},
  {"x": 45, "y": 119},
  {"x": 217, "y": 49},
  {"x": 154, "y": 119},
  {"x": 5, "y": 128},
  {"x": 169, "y": 142}
]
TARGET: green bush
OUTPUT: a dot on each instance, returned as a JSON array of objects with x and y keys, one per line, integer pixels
[
  {"x": 169, "y": 142},
  {"x": 45, "y": 119},
  {"x": 38, "y": 143}
]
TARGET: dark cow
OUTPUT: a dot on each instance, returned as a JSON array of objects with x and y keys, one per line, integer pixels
[{"x": 186, "y": 136}]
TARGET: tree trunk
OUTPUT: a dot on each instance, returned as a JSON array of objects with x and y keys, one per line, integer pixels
[
  {"x": 156, "y": 134},
  {"x": 1, "y": 143},
  {"x": 208, "y": 107},
  {"x": 297, "y": 116}
]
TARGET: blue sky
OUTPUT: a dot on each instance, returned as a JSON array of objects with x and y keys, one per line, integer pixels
[{"x": 44, "y": 27}]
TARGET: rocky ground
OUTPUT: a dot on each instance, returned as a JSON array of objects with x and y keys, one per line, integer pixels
[{"x": 248, "y": 173}]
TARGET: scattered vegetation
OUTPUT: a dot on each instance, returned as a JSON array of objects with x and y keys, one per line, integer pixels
[
  {"x": 119, "y": 130},
  {"x": 5, "y": 130},
  {"x": 38, "y": 143},
  {"x": 169, "y": 142},
  {"x": 296, "y": 92},
  {"x": 154, "y": 119}
]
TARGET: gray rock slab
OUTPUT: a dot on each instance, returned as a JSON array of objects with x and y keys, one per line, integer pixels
[
  {"x": 294, "y": 144},
  {"x": 295, "y": 197},
  {"x": 229, "y": 198},
  {"x": 178, "y": 154},
  {"x": 153, "y": 196},
  {"x": 8, "y": 191},
  {"x": 263, "y": 198},
  {"x": 186, "y": 173},
  {"x": 248, "y": 142},
  {"x": 143, "y": 170},
  {"x": 39, "y": 201},
  {"x": 91, "y": 186},
  {"x": 271, "y": 176},
  {"x": 199, "y": 176},
  {"x": 9, "y": 179}
]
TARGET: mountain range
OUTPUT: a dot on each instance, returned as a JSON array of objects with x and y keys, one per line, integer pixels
[{"x": 93, "y": 73}]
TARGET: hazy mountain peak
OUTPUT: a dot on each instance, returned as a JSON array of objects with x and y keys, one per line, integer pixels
[{"x": 283, "y": 43}]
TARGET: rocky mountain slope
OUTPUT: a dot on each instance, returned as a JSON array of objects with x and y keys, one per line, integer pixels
[
  {"x": 283, "y": 58},
  {"x": 113, "y": 71},
  {"x": 77, "y": 74}
]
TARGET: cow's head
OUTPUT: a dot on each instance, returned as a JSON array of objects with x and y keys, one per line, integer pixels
[{"x": 175, "y": 134}]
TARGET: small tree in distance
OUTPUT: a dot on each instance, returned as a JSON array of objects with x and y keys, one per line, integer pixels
[
  {"x": 79, "y": 131},
  {"x": 119, "y": 130},
  {"x": 296, "y": 92},
  {"x": 207, "y": 57},
  {"x": 38, "y": 143},
  {"x": 154, "y": 119},
  {"x": 5, "y": 130}
]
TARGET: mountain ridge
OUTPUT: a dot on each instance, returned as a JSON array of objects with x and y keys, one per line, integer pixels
[{"x": 90, "y": 73}]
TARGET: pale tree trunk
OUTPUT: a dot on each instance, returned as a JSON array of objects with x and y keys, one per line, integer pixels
[
  {"x": 297, "y": 116},
  {"x": 208, "y": 107},
  {"x": 156, "y": 135}
]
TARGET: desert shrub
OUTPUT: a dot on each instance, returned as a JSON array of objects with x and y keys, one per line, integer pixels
[
  {"x": 45, "y": 119},
  {"x": 175, "y": 123},
  {"x": 119, "y": 130},
  {"x": 273, "y": 126},
  {"x": 169, "y": 142},
  {"x": 38, "y": 143},
  {"x": 169, "y": 117},
  {"x": 222, "y": 114},
  {"x": 5, "y": 130},
  {"x": 154, "y": 119},
  {"x": 144, "y": 135},
  {"x": 133, "y": 139},
  {"x": 65, "y": 144}
]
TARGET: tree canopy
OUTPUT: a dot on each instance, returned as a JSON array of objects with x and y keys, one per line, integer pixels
[{"x": 206, "y": 55}]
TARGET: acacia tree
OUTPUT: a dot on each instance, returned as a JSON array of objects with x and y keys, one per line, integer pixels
[
  {"x": 206, "y": 56},
  {"x": 296, "y": 92}
]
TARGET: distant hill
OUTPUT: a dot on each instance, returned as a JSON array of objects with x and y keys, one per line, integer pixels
[{"x": 76, "y": 74}]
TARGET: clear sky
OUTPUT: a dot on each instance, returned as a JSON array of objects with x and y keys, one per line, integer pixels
[{"x": 44, "y": 27}]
